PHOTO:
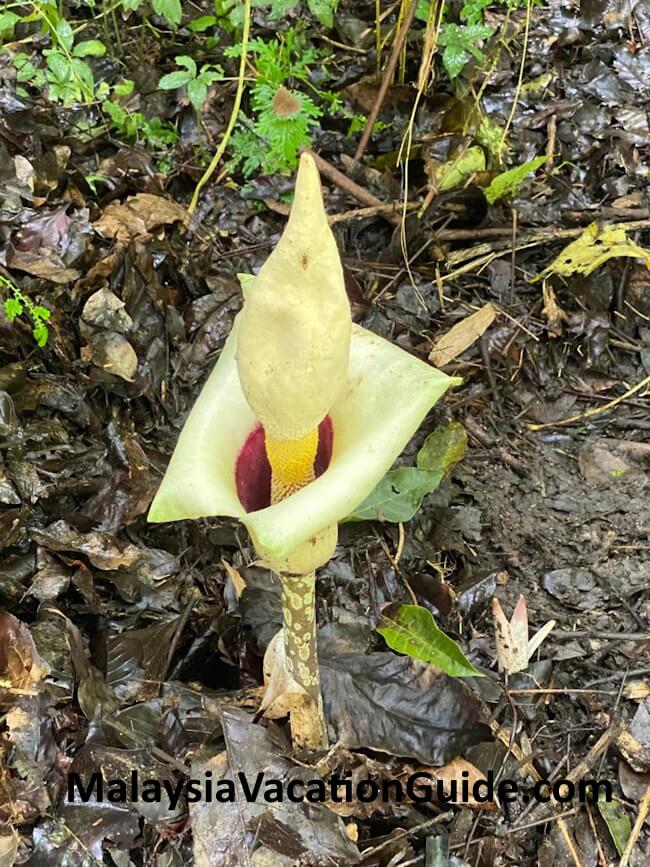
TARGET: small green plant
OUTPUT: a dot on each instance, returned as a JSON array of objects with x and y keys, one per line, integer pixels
[
  {"x": 134, "y": 126},
  {"x": 462, "y": 41},
  {"x": 18, "y": 303},
  {"x": 197, "y": 81},
  {"x": 283, "y": 116}
]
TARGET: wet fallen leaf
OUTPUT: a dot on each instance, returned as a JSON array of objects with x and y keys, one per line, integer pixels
[
  {"x": 395, "y": 704},
  {"x": 507, "y": 183},
  {"x": 113, "y": 353},
  {"x": 278, "y": 833},
  {"x": 592, "y": 249},
  {"x": 462, "y": 336},
  {"x": 617, "y": 821},
  {"x": 451, "y": 174}
]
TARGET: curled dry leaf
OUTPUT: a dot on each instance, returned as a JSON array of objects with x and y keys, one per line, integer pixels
[
  {"x": 462, "y": 336},
  {"x": 282, "y": 694},
  {"x": 137, "y": 217}
]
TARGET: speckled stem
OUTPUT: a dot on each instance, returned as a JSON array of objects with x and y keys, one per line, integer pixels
[{"x": 308, "y": 726}]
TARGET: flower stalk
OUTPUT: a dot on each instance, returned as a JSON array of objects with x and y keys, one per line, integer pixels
[{"x": 308, "y": 726}]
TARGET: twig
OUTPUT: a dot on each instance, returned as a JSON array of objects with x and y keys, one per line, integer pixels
[
  {"x": 216, "y": 159},
  {"x": 596, "y": 410},
  {"x": 644, "y": 806},
  {"x": 344, "y": 182},
  {"x": 386, "y": 79}
]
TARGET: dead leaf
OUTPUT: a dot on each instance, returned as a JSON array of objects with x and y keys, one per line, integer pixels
[
  {"x": 20, "y": 663},
  {"x": 137, "y": 217},
  {"x": 282, "y": 693},
  {"x": 462, "y": 336},
  {"x": 237, "y": 581},
  {"x": 113, "y": 353},
  {"x": 453, "y": 771}
]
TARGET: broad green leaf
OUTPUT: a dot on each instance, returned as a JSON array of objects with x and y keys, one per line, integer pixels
[
  {"x": 64, "y": 34},
  {"x": 8, "y": 21},
  {"x": 89, "y": 48},
  {"x": 323, "y": 10},
  {"x": 188, "y": 62},
  {"x": 124, "y": 88},
  {"x": 174, "y": 79},
  {"x": 507, "y": 183},
  {"x": 170, "y": 10},
  {"x": 197, "y": 92},
  {"x": 454, "y": 58},
  {"x": 454, "y": 172},
  {"x": 398, "y": 495},
  {"x": 413, "y": 631},
  {"x": 40, "y": 333},
  {"x": 200, "y": 25},
  {"x": 617, "y": 821}
]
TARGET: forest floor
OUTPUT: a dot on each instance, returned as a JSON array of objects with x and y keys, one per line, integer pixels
[{"x": 129, "y": 646}]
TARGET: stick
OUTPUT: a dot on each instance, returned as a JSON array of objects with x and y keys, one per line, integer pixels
[{"x": 385, "y": 80}]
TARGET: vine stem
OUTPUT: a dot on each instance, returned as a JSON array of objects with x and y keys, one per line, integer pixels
[
  {"x": 308, "y": 727},
  {"x": 207, "y": 174}
]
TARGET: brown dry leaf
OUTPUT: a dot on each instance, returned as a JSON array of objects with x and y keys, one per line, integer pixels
[
  {"x": 20, "y": 664},
  {"x": 113, "y": 353},
  {"x": 553, "y": 312},
  {"x": 9, "y": 841},
  {"x": 237, "y": 581},
  {"x": 282, "y": 693},
  {"x": 462, "y": 336},
  {"x": 137, "y": 217},
  {"x": 454, "y": 770}
]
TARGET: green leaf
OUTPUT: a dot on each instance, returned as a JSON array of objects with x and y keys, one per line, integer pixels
[
  {"x": 197, "y": 92},
  {"x": 188, "y": 62},
  {"x": 124, "y": 88},
  {"x": 64, "y": 34},
  {"x": 200, "y": 25},
  {"x": 40, "y": 333},
  {"x": 399, "y": 494},
  {"x": 443, "y": 448},
  {"x": 170, "y": 10},
  {"x": 89, "y": 48},
  {"x": 413, "y": 631},
  {"x": 323, "y": 10},
  {"x": 617, "y": 821},
  {"x": 507, "y": 183},
  {"x": 13, "y": 308},
  {"x": 8, "y": 21},
  {"x": 39, "y": 312},
  {"x": 174, "y": 79},
  {"x": 454, "y": 58}
]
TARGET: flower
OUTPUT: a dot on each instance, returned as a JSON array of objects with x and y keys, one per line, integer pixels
[{"x": 296, "y": 385}]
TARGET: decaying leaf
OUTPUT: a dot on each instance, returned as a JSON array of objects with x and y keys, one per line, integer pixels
[
  {"x": 279, "y": 833},
  {"x": 592, "y": 249},
  {"x": 137, "y": 217},
  {"x": 462, "y": 336},
  {"x": 513, "y": 647},
  {"x": 448, "y": 175},
  {"x": 617, "y": 821},
  {"x": 453, "y": 771}
]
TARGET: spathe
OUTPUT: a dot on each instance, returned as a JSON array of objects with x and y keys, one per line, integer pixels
[{"x": 386, "y": 394}]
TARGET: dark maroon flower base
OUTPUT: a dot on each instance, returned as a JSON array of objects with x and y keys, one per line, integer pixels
[{"x": 253, "y": 471}]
